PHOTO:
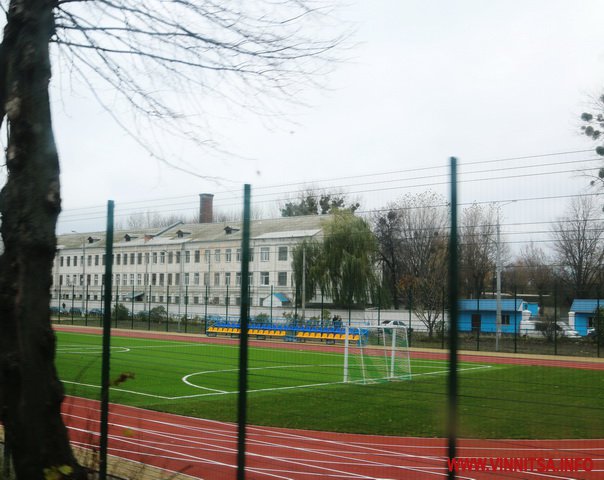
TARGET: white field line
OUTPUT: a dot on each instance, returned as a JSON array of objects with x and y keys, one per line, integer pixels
[{"x": 271, "y": 389}]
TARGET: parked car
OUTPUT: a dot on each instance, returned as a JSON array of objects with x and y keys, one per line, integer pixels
[
  {"x": 96, "y": 312},
  {"x": 58, "y": 310},
  {"x": 75, "y": 311},
  {"x": 567, "y": 332},
  {"x": 591, "y": 333}
]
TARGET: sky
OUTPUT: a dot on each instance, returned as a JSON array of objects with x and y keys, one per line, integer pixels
[{"x": 421, "y": 82}]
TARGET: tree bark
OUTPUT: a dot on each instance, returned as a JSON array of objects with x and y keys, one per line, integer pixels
[{"x": 30, "y": 391}]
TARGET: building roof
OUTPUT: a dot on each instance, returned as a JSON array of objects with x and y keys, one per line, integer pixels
[
  {"x": 586, "y": 305},
  {"x": 490, "y": 305},
  {"x": 178, "y": 233}
]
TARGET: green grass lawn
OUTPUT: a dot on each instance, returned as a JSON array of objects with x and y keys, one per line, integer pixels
[{"x": 303, "y": 389}]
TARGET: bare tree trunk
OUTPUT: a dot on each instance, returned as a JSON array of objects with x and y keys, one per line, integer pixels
[{"x": 30, "y": 392}]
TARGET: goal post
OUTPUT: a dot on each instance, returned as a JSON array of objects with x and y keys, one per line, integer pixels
[{"x": 376, "y": 354}]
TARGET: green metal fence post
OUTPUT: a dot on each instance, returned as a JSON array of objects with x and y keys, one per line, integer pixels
[
  {"x": 149, "y": 309},
  {"x": 117, "y": 298},
  {"x": 132, "y": 309},
  {"x": 555, "y": 319},
  {"x": 72, "y": 300},
  {"x": 243, "y": 339},
  {"x": 86, "y": 306},
  {"x": 515, "y": 321},
  {"x": 60, "y": 303},
  {"x": 105, "y": 366},
  {"x": 186, "y": 305},
  {"x": 205, "y": 315},
  {"x": 453, "y": 327},
  {"x": 167, "y": 307}
]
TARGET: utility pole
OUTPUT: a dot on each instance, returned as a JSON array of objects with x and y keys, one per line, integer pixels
[
  {"x": 498, "y": 270},
  {"x": 303, "y": 280}
]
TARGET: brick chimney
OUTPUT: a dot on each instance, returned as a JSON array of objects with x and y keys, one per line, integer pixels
[{"x": 206, "y": 208}]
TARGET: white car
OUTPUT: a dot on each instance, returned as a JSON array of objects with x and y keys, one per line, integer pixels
[{"x": 567, "y": 331}]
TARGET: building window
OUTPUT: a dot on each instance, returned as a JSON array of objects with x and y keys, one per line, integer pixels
[
  {"x": 125, "y": 259},
  {"x": 227, "y": 255},
  {"x": 139, "y": 258},
  {"x": 117, "y": 279},
  {"x": 155, "y": 257},
  {"x": 89, "y": 260},
  {"x": 216, "y": 279},
  {"x": 161, "y": 279},
  {"x": 132, "y": 255},
  {"x": 251, "y": 254},
  {"x": 96, "y": 280},
  {"x": 162, "y": 257},
  {"x": 161, "y": 299},
  {"x": 206, "y": 278},
  {"x": 217, "y": 255},
  {"x": 124, "y": 279},
  {"x": 61, "y": 261},
  {"x": 75, "y": 261},
  {"x": 170, "y": 257},
  {"x": 186, "y": 278},
  {"x": 282, "y": 279},
  {"x": 132, "y": 279},
  {"x": 153, "y": 279},
  {"x": 196, "y": 278},
  {"x": 96, "y": 259},
  {"x": 68, "y": 261},
  {"x": 206, "y": 256},
  {"x": 264, "y": 278},
  {"x": 197, "y": 256},
  {"x": 139, "y": 279},
  {"x": 196, "y": 300},
  {"x": 187, "y": 256},
  {"x": 264, "y": 254},
  {"x": 238, "y": 255},
  {"x": 238, "y": 278},
  {"x": 177, "y": 279},
  {"x": 170, "y": 279},
  {"x": 282, "y": 254},
  {"x": 227, "y": 278},
  {"x": 505, "y": 319}
]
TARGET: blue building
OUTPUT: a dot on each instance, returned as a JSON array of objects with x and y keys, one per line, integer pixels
[
  {"x": 582, "y": 314},
  {"x": 480, "y": 315}
]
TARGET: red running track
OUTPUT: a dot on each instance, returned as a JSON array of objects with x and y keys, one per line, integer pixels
[{"x": 207, "y": 449}]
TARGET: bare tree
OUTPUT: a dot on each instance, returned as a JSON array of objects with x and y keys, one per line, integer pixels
[
  {"x": 578, "y": 240},
  {"x": 533, "y": 270},
  {"x": 478, "y": 248},
  {"x": 423, "y": 221},
  {"x": 153, "y": 55}
]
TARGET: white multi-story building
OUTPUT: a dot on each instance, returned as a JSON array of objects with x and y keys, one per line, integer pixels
[{"x": 183, "y": 267}]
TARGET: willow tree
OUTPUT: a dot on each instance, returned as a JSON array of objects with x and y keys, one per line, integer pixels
[
  {"x": 159, "y": 57},
  {"x": 349, "y": 253}
]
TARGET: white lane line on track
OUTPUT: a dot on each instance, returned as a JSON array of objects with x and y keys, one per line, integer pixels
[{"x": 299, "y": 462}]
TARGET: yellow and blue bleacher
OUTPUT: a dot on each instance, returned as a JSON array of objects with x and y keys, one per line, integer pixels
[{"x": 328, "y": 335}]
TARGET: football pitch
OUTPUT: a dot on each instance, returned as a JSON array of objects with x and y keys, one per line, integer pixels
[{"x": 303, "y": 388}]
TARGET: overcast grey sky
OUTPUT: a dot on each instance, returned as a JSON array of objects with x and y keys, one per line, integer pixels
[{"x": 426, "y": 80}]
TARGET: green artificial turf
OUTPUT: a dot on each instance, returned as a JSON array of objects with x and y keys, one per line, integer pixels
[{"x": 299, "y": 388}]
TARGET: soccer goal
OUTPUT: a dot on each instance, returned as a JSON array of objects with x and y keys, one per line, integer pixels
[{"x": 376, "y": 354}]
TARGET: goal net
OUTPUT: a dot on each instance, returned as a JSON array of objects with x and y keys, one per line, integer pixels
[{"x": 376, "y": 354}]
